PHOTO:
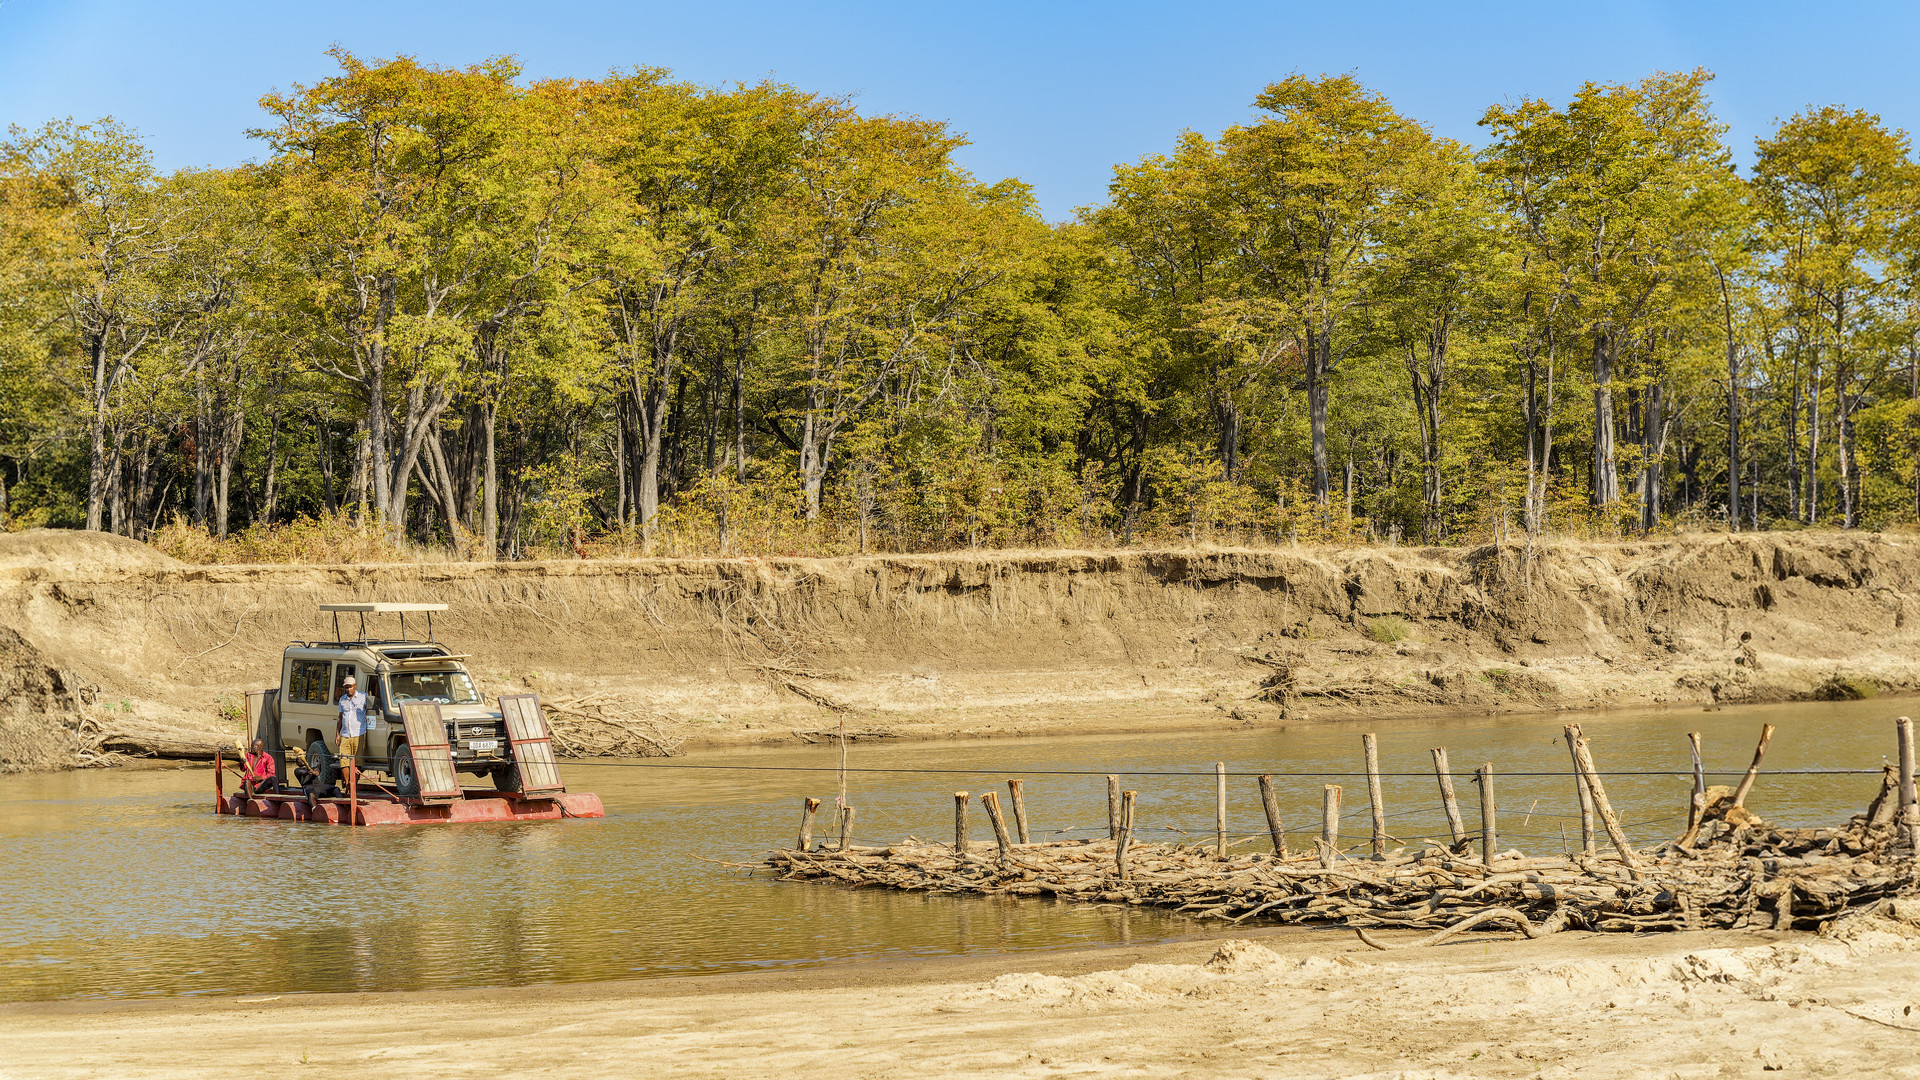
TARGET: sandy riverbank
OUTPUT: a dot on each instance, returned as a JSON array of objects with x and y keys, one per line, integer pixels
[
  {"x": 1274, "y": 1003},
  {"x": 105, "y": 642}
]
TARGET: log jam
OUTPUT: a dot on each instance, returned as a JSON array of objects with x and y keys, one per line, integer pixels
[{"x": 1732, "y": 875}]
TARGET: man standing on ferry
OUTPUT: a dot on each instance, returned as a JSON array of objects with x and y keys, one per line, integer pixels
[{"x": 353, "y": 725}]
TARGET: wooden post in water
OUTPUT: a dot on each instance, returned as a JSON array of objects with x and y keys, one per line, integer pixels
[
  {"x": 353, "y": 794},
  {"x": 1113, "y": 808},
  {"x": 960, "y": 838},
  {"x": 1220, "y": 809},
  {"x": 1489, "y": 833},
  {"x": 1124, "y": 837},
  {"x": 807, "y": 811},
  {"x": 1699, "y": 767},
  {"x": 219, "y": 782},
  {"x": 1753, "y": 770},
  {"x": 1585, "y": 799},
  {"x": 1019, "y": 809},
  {"x": 1444, "y": 773},
  {"x": 846, "y": 827},
  {"x": 992, "y": 802},
  {"x": 1272, "y": 806},
  {"x": 1909, "y": 806},
  {"x": 1329, "y": 825},
  {"x": 1583, "y": 758},
  {"x": 1373, "y": 795},
  {"x": 1697, "y": 801}
]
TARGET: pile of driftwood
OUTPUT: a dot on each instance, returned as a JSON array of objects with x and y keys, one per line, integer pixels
[
  {"x": 602, "y": 726},
  {"x": 1728, "y": 870}
]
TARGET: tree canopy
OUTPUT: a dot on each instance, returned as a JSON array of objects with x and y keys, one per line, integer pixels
[{"x": 461, "y": 308}]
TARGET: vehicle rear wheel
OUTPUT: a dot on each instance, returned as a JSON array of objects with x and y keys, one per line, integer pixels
[
  {"x": 405, "y": 780},
  {"x": 320, "y": 760},
  {"x": 506, "y": 777}
]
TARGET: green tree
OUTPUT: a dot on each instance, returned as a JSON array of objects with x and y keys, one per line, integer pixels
[{"x": 1833, "y": 187}]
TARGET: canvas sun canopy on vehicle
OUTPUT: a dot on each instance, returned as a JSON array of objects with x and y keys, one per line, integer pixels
[
  {"x": 364, "y": 610},
  {"x": 382, "y": 609}
]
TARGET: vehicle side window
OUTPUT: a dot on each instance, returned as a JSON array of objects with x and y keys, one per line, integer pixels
[
  {"x": 309, "y": 682},
  {"x": 340, "y": 673}
]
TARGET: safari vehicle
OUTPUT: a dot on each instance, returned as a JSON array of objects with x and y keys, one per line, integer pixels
[{"x": 393, "y": 672}]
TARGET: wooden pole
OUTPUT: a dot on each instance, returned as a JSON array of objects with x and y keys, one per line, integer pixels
[
  {"x": 1019, "y": 809},
  {"x": 1585, "y": 798},
  {"x": 1113, "y": 808},
  {"x": 1373, "y": 795},
  {"x": 1489, "y": 833},
  {"x": 806, "y": 824},
  {"x": 1444, "y": 773},
  {"x": 1699, "y": 767},
  {"x": 1124, "y": 834},
  {"x": 1220, "y": 809},
  {"x": 1753, "y": 770},
  {"x": 1329, "y": 825},
  {"x": 1909, "y": 806},
  {"x": 1583, "y": 759},
  {"x": 1697, "y": 802},
  {"x": 960, "y": 839},
  {"x": 991, "y": 801},
  {"x": 353, "y": 794},
  {"x": 219, "y": 783},
  {"x": 846, "y": 827},
  {"x": 1272, "y": 806}
]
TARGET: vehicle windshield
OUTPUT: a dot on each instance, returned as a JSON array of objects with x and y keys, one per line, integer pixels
[{"x": 438, "y": 687}]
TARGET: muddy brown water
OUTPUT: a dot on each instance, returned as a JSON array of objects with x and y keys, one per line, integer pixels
[{"x": 124, "y": 884}]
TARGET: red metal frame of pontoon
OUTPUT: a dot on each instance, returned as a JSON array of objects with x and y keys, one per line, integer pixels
[{"x": 389, "y": 809}]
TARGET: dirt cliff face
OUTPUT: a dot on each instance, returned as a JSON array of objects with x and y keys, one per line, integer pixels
[{"x": 720, "y": 651}]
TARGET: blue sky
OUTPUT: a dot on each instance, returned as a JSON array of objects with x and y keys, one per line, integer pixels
[{"x": 1052, "y": 93}]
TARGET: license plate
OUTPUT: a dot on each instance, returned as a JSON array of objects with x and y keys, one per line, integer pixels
[{"x": 483, "y": 744}]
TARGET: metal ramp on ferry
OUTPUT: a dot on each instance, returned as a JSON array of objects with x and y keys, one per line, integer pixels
[
  {"x": 532, "y": 745},
  {"x": 432, "y": 754}
]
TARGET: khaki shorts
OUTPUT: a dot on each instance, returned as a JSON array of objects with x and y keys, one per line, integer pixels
[{"x": 349, "y": 746}]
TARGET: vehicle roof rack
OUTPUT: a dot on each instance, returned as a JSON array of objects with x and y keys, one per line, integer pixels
[
  {"x": 382, "y": 609},
  {"x": 364, "y": 610}
]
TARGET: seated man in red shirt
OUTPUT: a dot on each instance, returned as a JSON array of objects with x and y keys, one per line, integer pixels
[{"x": 257, "y": 768}]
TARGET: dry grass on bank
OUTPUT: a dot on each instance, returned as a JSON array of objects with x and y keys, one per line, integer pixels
[{"x": 342, "y": 539}]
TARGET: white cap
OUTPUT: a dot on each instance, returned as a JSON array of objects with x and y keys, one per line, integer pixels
[{"x": 348, "y": 680}]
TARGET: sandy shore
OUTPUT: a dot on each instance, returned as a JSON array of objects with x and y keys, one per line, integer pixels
[{"x": 1281, "y": 1003}]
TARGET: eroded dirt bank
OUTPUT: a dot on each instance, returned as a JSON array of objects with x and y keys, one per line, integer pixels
[
  {"x": 100, "y": 636},
  {"x": 1270, "y": 1004}
]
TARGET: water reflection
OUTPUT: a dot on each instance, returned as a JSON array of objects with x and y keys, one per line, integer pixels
[{"x": 122, "y": 883}]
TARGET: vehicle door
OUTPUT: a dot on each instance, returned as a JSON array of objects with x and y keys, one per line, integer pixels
[{"x": 304, "y": 706}]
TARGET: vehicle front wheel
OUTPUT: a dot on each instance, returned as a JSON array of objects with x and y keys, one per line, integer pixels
[
  {"x": 321, "y": 761},
  {"x": 506, "y": 777},
  {"x": 406, "y": 781}
]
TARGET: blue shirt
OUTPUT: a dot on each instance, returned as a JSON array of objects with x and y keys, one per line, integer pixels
[{"x": 353, "y": 713}]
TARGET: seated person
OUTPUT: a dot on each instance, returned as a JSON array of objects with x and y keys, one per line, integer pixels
[
  {"x": 309, "y": 780},
  {"x": 257, "y": 768}
]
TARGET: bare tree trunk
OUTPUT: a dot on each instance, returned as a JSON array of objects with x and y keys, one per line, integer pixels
[
  {"x": 1318, "y": 348},
  {"x": 1733, "y": 406},
  {"x": 490, "y": 487},
  {"x": 97, "y": 463},
  {"x": 1606, "y": 472},
  {"x": 1811, "y": 500},
  {"x": 740, "y": 408},
  {"x": 1793, "y": 448},
  {"x": 1654, "y": 444},
  {"x": 270, "y": 500}
]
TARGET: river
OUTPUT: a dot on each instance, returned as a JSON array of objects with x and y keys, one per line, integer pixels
[{"x": 122, "y": 883}]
